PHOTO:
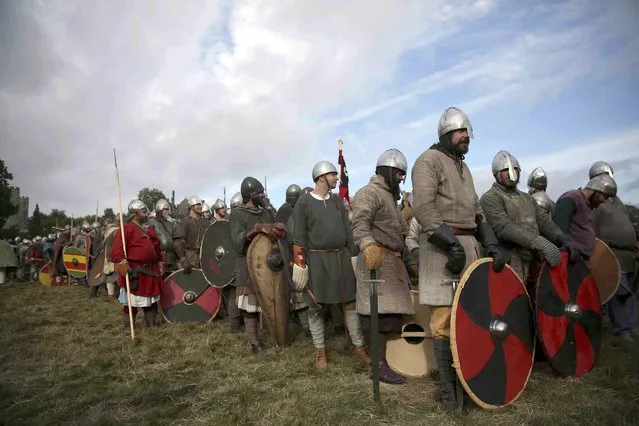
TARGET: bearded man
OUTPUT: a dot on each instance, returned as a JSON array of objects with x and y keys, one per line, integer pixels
[
  {"x": 452, "y": 223},
  {"x": 164, "y": 229},
  {"x": 614, "y": 227},
  {"x": 378, "y": 231},
  {"x": 188, "y": 234},
  {"x": 206, "y": 212},
  {"x": 521, "y": 227},
  {"x": 247, "y": 220},
  {"x": 219, "y": 210},
  {"x": 573, "y": 213},
  {"x": 141, "y": 262},
  {"x": 323, "y": 240},
  {"x": 537, "y": 184}
]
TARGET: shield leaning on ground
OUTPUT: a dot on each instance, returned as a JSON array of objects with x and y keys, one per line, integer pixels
[
  {"x": 96, "y": 274},
  {"x": 568, "y": 313},
  {"x": 44, "y": 276},
  {"x": 266, "y": 268},
  {"x": 75, "y": 261},
  {"x": 189, "y": 298},
  {"x": 217, "y": 254},
  {"x": 492, "y": 334},
  {"x": 605, "y": 268}
]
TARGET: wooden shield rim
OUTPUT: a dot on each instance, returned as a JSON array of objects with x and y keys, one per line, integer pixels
[
  {"x": 258, "y": 294},
  {"x": 609, "y": 250},
  {"x": 202, "y": 244},
  {"x": 453, "y": 336},
  {"x": 212, "y": 316},
  {"x": 80, "y": 253}
]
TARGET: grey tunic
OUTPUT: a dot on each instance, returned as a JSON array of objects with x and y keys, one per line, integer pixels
[
  {"x": 517, "y": 220},
  {"x": 323, "y": 229},
  {"x": 377, "y": 220}
]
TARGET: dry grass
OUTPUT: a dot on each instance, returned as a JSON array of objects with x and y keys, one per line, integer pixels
[{"x": 66, "y": 360}]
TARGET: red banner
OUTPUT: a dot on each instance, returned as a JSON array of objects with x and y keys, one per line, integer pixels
[{"x": 343, "y": 178}]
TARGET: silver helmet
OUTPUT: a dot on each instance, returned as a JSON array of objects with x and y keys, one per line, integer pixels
[
  {"x": 219, "y": 204},
  {"x": 193, "y": 200},
  {"x": 17, "y": 239},
  {"x": 504, "y": 160},
  {"x": 162, "y": 204},
  {"x": 393, "y": 158},
  {"x": 26, "y": 241},
  {"x": 136, "y": 205},
  {"x": 603, "y": 183},
  {"x": 205, "y": 207},
  {"x": 543, "y": 200},
  {"x": 599, "y": 168},
  {"x": 323, "y": 168},
  {"x": 454, "y": 118},
  {"x": 236, "y": 200},
  {"x": 86, "y": 226},
  {"x": 51, "y": 237},
  {"x": 38, "y": 238},
  {"x": 538, "y": 179}
]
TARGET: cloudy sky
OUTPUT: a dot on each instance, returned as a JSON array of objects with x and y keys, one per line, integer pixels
[{"x": 196, "y": 95}]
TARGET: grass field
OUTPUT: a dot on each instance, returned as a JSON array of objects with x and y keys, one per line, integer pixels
[{"x": 66, "y": 360}]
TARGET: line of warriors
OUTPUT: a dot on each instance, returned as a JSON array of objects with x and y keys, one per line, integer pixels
[{"x": 424, "y": 244}]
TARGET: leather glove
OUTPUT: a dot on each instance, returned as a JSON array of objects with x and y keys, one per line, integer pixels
[
  {"x": 298, "y": 256},
  {"x": 373, "y": 256},
  {"x": 574, "y": 254},
  {"x": 186, "y": 265},
  {"x": 487, "y": 238},
  {"x": 263, "y": 228},
  {"x": 444, "y": 239},
  {"x": 122, "y": 268},
  {"x": 547, "y": 250},
  {"x": 278, "y": 231},
  {"x": 415, "y": 255}
]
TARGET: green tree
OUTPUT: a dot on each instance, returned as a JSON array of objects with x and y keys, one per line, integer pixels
[
  {"x": 7, "y": 208},
  {"x": 150, "y": 196},
  {"x": 35, "y": 222}
]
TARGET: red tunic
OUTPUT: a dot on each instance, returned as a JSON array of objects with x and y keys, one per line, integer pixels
[
  {"x": 143, "y": 251},
  {"x": 35, "y": 252}
]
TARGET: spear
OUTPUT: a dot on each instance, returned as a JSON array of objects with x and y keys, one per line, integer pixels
[
  {"x": 225, "y": 195},
  {"x": 128, "y": 285},
  {"x": 97, "y": 205}
]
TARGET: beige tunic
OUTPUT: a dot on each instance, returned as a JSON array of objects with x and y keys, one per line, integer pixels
[
  {"x": 444, "y": 192},
  {"x": 378, "y": 220}
]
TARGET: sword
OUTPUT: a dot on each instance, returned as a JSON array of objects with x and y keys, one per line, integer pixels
[{"x": 373, "y": 281}]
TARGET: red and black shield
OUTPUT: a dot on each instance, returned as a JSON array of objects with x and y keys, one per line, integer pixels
[
  {"x": 569, "y": 317},
  {"x": 189, "y": 298},
  {"x": 217, "y": 254},
  {"x": 492, "y": 334}
]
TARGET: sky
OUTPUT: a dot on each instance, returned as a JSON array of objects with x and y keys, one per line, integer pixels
[{"x": 196, "y": 95}]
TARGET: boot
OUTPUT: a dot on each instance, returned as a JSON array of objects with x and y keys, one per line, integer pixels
[
  {"x": 361, "y": 355},
  {"x": 93, "y": 292},
  {"x": 386, "y": 374},
  {"x": 250, "y": 320},
  {"x": 125, "y": 317},
  {"x": 320, "y": 359},
  {"x": 447, "y": 377},
  {"x": 149, "y": 316}
]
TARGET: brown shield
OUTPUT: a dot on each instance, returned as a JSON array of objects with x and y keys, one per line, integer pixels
[
  {"x": 265, "y": 266},
  {"x": 604, "y": 267},
  {"x": 96, "y": 274}
]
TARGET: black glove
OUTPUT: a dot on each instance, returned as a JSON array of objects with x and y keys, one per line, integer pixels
[
  {"x": 574, "y": 254},
  {"x": 415, "y": 255},
  {"x": 487, "y": 238},
  {"x": 444, "y": 239}
]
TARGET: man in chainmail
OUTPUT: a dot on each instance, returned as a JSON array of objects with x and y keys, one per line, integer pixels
[
  {"x": 537, "y": 184},
  {"x": 247, "y": 220},
  {"x": 188, "y": 234},
  {"x": 164, "y": 228},
  {"x": 520, "y": 225}
]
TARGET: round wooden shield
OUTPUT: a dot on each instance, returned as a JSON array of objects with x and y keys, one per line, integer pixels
[
  {"x": 568, "y": 312},
  {"x": 492, "y": 334},
  {"x": 96, "y": 274},
  {"x": 412, "y": 353},
  {"x": 266, "y": 266},
  {"x": 75, "y": 262},
  {"x": 189, "y": 298},
  {"x": 44, "y": 277},
  {"x": 605, "y": 269},
  {"x": 217, "y": 254}
]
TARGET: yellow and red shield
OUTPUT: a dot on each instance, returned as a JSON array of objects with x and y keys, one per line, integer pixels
[
  {"x": 75, "y": 261},
  {"x": 44, "y": 277}
]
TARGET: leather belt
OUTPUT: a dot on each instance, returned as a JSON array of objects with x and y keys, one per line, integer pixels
[{"x": 467, "y": 232}]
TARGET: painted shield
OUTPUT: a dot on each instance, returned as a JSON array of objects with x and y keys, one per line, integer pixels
[
  {"x": 492, "y": 334},
  {"x": 604, "y": 267},
  {"x": 265, "y": 265},
  {"x": 96, "y": 274},
  {"x": 189, "y": 298},
  {"x": 283, "y": 213},
  {"x": 44, "y": 277},
  {"x": 569, "y": 317},
  {"x": 217, "y": 254},
  {"x": 412, "y": 353},
  {"x": 75, "y": 261}
]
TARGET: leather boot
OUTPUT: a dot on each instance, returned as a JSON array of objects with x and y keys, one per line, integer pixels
[
  {"x": 361, "y": 355},
  {"x": 149, "y": 317},
  {"x": 387, "y": 374},
  {"x": 94, "y": 291},
  {"x": 447, "y": 377},
  {"x": 320, "y": 358},
  {"x": 125, "y": 320}
]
